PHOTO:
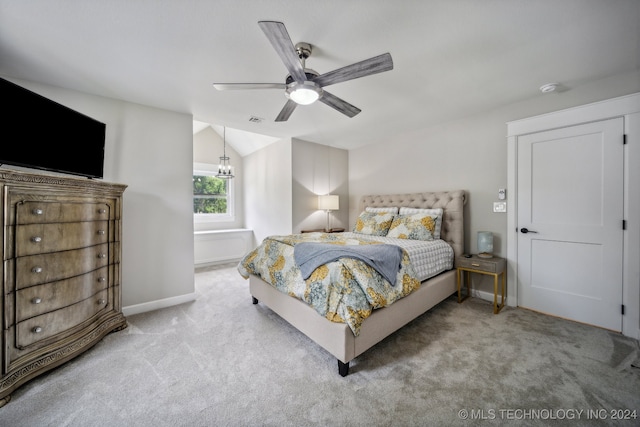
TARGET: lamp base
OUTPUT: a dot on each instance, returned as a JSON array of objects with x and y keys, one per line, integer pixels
[
  {"x": 327, "y": 229},
  {"x": 485, "y": 255}
]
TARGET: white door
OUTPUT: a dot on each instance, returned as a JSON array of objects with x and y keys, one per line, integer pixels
[{"x": 570, "y": 212}]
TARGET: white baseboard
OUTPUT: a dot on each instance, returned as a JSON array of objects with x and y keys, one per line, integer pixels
[
  {"x": 157, "y": 304},
  {"x": 214, "y": 263},
  {"x": 488, "y": 296}
]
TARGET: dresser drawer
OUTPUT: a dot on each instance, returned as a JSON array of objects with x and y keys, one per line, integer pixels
[
  {"x": 40, "y": 212},
  {"x": 44, "y": 238},
  {"x": 475, "y": 263},
  {"x": 40, "y": 299},
  {"x": 47, "y": 325},
  {"x": 45, "y": 268}
]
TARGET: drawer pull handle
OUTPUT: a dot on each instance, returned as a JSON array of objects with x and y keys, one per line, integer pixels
[
  {"x": 36, "y": 300},
  {"x": 36, "y": 239},
  {"x": 102, "y": 211},
  {"x": 36, "y": 270},
  {"x": 37, "y": 330},
  {"x": 101, "y": 301},
  {"x": 37, "y": 211},
  {"x": 101, "y": 232},
  {"x": 475, "y": 265},
  {"x": 102, "y": 279},
  {"x": 102, "y": 255}
]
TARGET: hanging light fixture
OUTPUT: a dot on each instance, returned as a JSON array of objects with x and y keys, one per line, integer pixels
[{"x": 224, "y": 168}]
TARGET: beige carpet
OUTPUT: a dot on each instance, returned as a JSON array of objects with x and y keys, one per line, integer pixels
[{"x": 222, "y": 361}]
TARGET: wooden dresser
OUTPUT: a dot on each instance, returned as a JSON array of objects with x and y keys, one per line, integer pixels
[{"x": 60, "y": 271}]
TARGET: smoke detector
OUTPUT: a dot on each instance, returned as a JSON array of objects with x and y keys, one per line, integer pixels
[{"x": 549, "y": 87}]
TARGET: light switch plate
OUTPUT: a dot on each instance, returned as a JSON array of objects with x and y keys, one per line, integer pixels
[{"x": 499, "y": 206}]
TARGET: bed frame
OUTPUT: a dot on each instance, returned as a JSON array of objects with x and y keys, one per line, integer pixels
[{"x": 337, "y": 338}]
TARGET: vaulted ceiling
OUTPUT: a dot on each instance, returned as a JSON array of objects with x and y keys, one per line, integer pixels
[{"x": 451, "y": 58}]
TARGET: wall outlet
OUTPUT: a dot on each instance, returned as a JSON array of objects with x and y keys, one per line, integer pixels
[{"x": 499, "y": 206}]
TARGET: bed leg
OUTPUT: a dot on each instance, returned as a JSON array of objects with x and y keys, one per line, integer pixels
[
  {"x": 343, "y": 368},
  {"x": 254, "y": 299}
]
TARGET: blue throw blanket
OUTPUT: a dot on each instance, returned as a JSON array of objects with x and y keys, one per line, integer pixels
[{"x": 385, "y": 259}]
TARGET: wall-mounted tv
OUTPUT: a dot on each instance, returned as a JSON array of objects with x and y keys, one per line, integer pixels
[{"x": 42, "y": 134}]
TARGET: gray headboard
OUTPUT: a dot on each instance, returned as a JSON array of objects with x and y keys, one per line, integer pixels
[{"x": 451, "y": 201}]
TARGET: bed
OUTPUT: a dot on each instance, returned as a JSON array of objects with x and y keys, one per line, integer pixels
[{"x": 340, "y": 338}]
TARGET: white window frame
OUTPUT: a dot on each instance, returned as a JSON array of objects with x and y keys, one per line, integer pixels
[{"x": 207, "y": 169}]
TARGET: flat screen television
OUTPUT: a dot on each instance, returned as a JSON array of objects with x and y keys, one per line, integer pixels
[{"x": 42, "y": 134}]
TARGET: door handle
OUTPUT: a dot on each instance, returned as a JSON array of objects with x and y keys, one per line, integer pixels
[{"x": 525, "y": 230}]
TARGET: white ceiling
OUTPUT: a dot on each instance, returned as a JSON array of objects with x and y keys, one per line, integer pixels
[
  {"x": 242, "y": 141},
  {"x": 452, "y": 58}
]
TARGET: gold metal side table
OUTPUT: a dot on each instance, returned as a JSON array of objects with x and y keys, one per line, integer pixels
[{"x": 495, "y": 267}]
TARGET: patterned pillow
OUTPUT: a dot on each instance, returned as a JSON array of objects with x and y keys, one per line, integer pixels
[
  {"x": 418, "y": 226},
  {"x": 393, "y": 210},
  {"x": 373, "y": 223},
  {"x": 435, "y": 211}
]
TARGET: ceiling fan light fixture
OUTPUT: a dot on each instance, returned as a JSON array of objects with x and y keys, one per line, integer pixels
[{"x": 304, "y": 93}]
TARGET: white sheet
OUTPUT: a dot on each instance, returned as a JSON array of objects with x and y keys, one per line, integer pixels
[{"x": 428, "y": 258}]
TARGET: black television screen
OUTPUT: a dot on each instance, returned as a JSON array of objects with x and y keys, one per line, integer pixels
[{"x": 42, "y": 134}]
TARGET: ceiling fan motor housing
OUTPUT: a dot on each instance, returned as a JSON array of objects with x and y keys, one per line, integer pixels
[
  {"x": 311, "y": 74},
  {"x": 303, "y": 50}
]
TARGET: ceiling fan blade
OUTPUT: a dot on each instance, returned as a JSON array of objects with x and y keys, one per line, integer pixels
[
  {"x": 374, "y": 65},
  {"x": 281, "y": 42},
  {"x": 286, "y": 111},
  {"x": 343, "y": 106},
  {"x": 242, "y": 86}
]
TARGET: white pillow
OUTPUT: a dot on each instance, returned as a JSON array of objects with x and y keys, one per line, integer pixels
[
  {"x": 391, "y": 209},
  {"x": 436, "y": 211}
]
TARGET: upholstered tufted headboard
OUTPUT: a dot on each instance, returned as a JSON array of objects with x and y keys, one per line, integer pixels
[{"x": 452, "y": 202}]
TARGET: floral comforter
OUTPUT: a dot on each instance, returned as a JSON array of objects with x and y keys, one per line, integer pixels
[{"x": 346, "y": 290}]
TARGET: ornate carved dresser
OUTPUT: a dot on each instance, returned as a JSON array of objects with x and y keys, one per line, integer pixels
[{"x": 60, "y": 271}]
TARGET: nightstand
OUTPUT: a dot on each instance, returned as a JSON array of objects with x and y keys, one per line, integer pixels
[
  {"x": 495, "y": 267},
  {"x": 322, "y": 230}
]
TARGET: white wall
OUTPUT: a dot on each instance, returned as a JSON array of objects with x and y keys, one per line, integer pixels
[
  {"x": 469, "y": 154},
  {"x": 318, "y": 169},
  {"x": 150, "y": 150},
  {"x": 156, "y": 162},
  {"x": 268, "y": 190}
]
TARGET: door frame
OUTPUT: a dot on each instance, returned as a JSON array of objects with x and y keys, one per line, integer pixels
[{"x": 627, "y": 107}]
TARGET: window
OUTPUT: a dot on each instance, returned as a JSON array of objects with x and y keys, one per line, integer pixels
[{"x": 212, "y": 197}]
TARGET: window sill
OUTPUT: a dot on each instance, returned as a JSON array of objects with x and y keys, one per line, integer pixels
[
  {"x": 228, "y": 230},
  {"x": 203, "y": 218}
]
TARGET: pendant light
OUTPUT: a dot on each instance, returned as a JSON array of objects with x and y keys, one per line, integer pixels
[{"x": 224, "y": 168}]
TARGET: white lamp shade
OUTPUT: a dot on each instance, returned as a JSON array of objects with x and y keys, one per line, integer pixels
[{"x": 329, "y": 202}]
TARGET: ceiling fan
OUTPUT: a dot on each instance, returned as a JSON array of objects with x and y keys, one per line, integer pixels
[{"x": 304, "y": 86}]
